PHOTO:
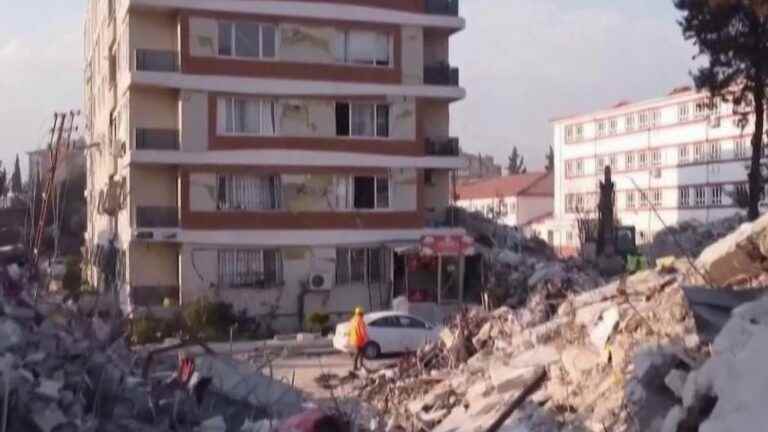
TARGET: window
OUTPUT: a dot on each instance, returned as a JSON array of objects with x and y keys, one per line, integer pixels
[
  {"x": 683, "y": 154},
  {"x": 363, "y": 48},
  {"x": 247, "y": 40},
  {"x": 656, "y": 158},
  {"x": 247, "y": 116},
  {"x": 698, "y": 152},
  {"x": 684, "y": 197},
  {"x": 579, "y": 167},
  {"x": 714, "y": 151},
  {"x": 629, "y": 122},
  {"x": 569, "y": 203},
  {"x": 601, "y": 164},
  {"x": 642, "y": 160},
  {"x": 740, "y": 149},
  {"x": 644, "y": 120},
  {"x": 700, "y": 109},
  {"x": 579, "y": 132},
  {"x": 655, "y": 118},
  {"x": 362, "y": 119},
  {"x": 569, "y": 133},
  {"x": 716, "y": 195},
  {"x": 244, "y": 192},
  {"x": 699, "y": 196},
  {"x": 359, "y": 265},
  {"x": 741, "y": 192},
  {"x": 683, "y": 112},
  {"x": 569, "y": 168},
  {"x": 551, "y": 237},
  {"x": 657, "y": 197},
  {"x": 601, "y": 128},
  {"x": 613, "y": 126},
  {"x": 629, "y": 161},
  {"x": 370, "y": 192},
  {"x": 245, "y": 268},
  {"x": 630, "y": 199}
]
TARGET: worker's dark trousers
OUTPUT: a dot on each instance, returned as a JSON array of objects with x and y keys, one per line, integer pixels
[{"x": 358, "y": 359}]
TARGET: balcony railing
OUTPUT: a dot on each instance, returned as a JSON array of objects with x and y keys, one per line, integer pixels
[
  {"x": 443, "y": 147},
  {"x": 157, "y": 139},
  {"x": 157, "y": 217},
  {"x": 153, "y": 295},
  {"x": 443, "y": 7},
  {"x": 441, "y": 74},
  {"x": 157, "y": 60}
]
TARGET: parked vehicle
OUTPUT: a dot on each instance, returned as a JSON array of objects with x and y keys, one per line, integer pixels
[{"x": 389, "y": 332}]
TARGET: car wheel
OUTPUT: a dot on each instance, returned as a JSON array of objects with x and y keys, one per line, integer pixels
[{"x": 371, "y": 350}]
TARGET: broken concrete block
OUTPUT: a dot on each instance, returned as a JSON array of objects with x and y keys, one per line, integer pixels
[
  {"x": 11, "y": 334},
  {"x": 739, "y": 254},
  {"x": 49, "y": 419},
  {"x": 483, "y": 335},
  {"x": 675, "y": 381},
  {"x": 543, "y": 355},
  {"x": 601, "y": 333},
  {"x": 578, "y": 361},
  {"x": 49, "y": 388},
  {"x": 507, "y": 379}
]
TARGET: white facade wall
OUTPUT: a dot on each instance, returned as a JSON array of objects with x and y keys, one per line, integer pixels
[{"x": 707, "y": 150}]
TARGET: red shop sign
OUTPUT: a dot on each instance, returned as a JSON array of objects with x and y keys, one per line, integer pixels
[{"x": 447, "y": 245}]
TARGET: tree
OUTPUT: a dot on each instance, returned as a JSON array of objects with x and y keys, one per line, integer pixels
[
  {"x": 3, "y": 185},
  {"x": 516, "y": 164},
  {"x": 16, "y": 178},
  {"x": 550, "y": 160},
  {"x": 732, "y": 35}
]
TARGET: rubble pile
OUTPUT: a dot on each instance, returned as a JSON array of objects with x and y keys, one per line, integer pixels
[
  {"x": 693, "y": 236},
  {"x": 61, "y": 371},
  {"x": 626, "y": 356}
]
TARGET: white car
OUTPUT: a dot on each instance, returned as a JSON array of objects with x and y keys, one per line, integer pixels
[{"x": 389, "y": 332}]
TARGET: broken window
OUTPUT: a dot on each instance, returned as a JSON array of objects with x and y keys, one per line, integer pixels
[
  {"x": 359, "y": 265},
  {"x": 370, "y": 192},
  {"x": 247, "y": 40},
  {"x": 249, "y": 268},
  {"x": 362, "y": 119},
  {"x": 363, "y": 48},
  {"x": 247, "y": 116},
  {"x": 243, "y": 192}
]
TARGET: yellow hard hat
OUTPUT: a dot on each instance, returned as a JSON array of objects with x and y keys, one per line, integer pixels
[{"x": 358, "y": 310}]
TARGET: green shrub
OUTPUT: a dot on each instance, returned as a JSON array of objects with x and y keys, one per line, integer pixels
[
  {"x": 150, "y": 330},
  {"x": 209, "y": 320}
]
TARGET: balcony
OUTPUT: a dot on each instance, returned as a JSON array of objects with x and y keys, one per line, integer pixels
[
  {"x": 442, "y": 7},
  {"x": 157, "y": 217},
  {"x": 442, "y": 147},
  {"x": 153, "y": 295},
  {"x": 441, "y": 74},
  {"x": 157, "y": 60},
  {"x": 157, "y": 139}
]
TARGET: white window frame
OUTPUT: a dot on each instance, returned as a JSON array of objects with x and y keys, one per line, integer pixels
[
  {"x": 629, "y": 121},
  {"x": 629, "y": 161},
  {"x": 243, "y": 186},
  {"x": 579, "y": 132},
  {"x": 740, "y": 148},
  {"x": 684, "y": 197},
  {"x": 656, "y": 158},
  {"x": 630, "y": 200},
  {"x": 601, "y": 128},
  {"x": 699, "y": 152},
  {"x": 683, "y": 154},
  {"x": 655, "y": 117},
  {"x": 349, "y": 185},
  {"x": 375, "y": 105},
  {"x": 242, "y": 257},
  {"x": 613, "y": 126},
  {"x": 233, "y": 40},
  {"x": 699, "y": 196},
  {"x": 683, "y": 112},
  {"x": 569, "y": 133},
  {"x": 226, "y": 125},
  {"x": 643, "y": 120},
  {"x": 642, "y": 160},
  {"x": 715, "y": 150},
  {"x": 657, "y": 197},
  {"x": 716, "y": 196},
  {"x": 579, "y": 167},
  {"x": 346, "y": 60},
  {"x": 347, "y": 279}
]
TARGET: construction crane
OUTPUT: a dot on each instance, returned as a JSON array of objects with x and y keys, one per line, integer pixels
[{"x": 62, "y": 123}]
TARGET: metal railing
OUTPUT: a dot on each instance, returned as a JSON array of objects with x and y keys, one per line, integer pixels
[
  {"x": 157, "y": 217},
  {"x": 157, "y": 60},
  {"x": 443, "y": 7},
  {"x": 153, "y": 295},
  {"x": 157, "y": 139},
  {"x": 442, "y": 147},
  {"x": 441, "y": 74}
]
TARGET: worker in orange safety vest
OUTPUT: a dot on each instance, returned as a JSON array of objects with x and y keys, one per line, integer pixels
[{"x": 358, "y": 337}]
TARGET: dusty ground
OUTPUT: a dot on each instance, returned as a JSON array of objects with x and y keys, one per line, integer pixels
[{"x": 304, "y": 370}]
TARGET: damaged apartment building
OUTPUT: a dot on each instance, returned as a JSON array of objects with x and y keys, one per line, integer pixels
[{"x": 288, "y": 157}]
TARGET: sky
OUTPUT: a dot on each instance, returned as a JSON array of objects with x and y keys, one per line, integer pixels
[{"x": 523, "y": 62}]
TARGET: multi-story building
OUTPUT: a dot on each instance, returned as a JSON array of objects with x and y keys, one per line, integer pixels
[
  {"x": 278, "y": 155},
  {"x": 477, "y": 167},
  {"x": 511, "y": 200},
  {"x": 675, "y": 158}
]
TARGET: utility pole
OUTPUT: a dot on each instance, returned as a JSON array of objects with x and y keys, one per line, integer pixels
[{"x": 55, "y": 150}]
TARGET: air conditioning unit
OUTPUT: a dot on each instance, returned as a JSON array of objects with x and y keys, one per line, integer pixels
[
  {"x": 656, "y": 173},
  {"x": 320, "y": 282}
]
